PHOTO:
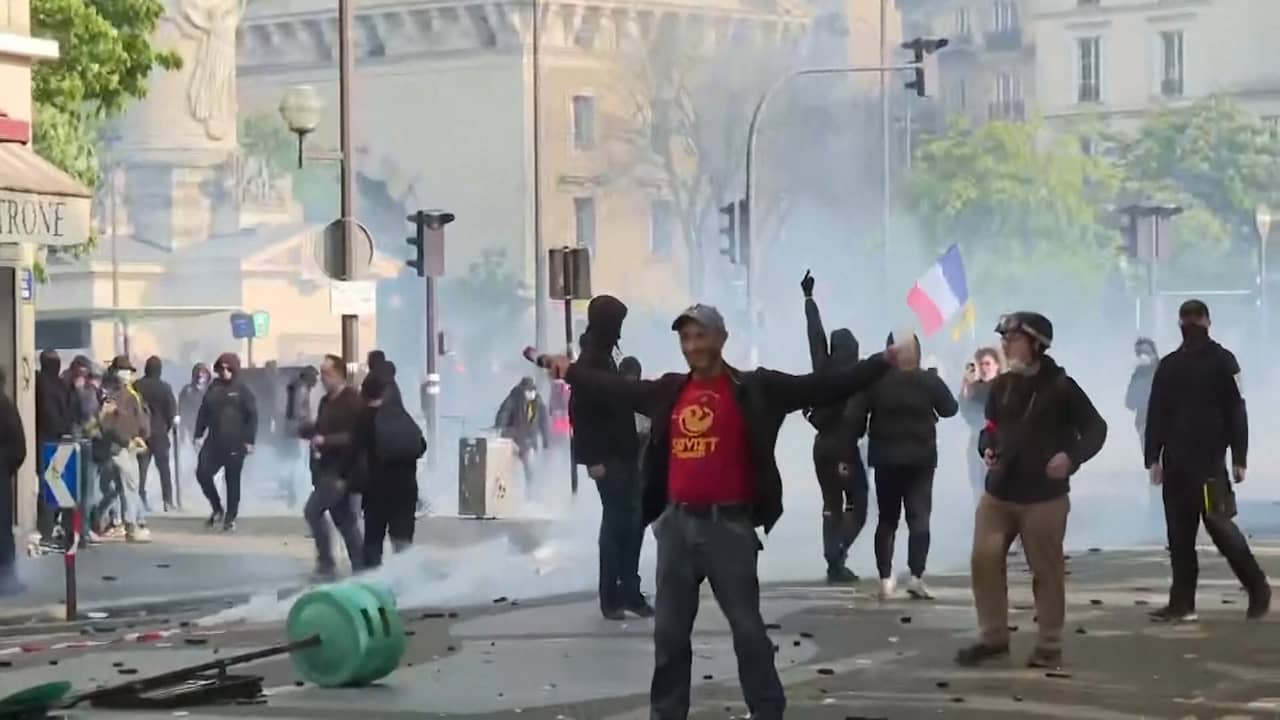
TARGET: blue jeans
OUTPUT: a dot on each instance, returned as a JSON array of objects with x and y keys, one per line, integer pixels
[
  {"x": 120, "y": 482},
  {"x": 330, "y": 494}
]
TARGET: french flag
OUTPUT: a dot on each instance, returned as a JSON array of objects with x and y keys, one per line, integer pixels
[{"x": 940, "y": 293}]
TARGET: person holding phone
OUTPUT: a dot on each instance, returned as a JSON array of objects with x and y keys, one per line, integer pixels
[{"x": 975, "y": 387}]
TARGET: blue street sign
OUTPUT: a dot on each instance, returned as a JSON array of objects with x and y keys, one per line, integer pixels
[
  {"x": 241, "y": 325},
  {"x": 61, "y": 463},
  {"x": 27, "y": 285}
]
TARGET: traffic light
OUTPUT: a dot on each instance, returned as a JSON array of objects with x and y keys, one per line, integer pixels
[
  {"x": 729, "y": 229},
  {"x": 921, "y": 47},
  {"x": 418, "y": 243}
]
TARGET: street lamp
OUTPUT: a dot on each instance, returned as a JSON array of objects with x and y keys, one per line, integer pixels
[{"x": 300, "y": 108}]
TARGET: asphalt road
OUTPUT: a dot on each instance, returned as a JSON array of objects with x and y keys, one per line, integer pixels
[{"x": 842, "y": 655}]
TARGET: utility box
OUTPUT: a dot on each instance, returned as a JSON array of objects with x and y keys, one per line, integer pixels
[
  {"x": 489, "y": 483},
  {"x": 18, "y": 359}
]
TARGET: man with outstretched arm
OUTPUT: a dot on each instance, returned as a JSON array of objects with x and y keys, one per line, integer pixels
[{"x": 710, "y": 480}]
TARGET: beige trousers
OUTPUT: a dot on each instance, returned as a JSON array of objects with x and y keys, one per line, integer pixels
[{"x": 1042, "y": 527}]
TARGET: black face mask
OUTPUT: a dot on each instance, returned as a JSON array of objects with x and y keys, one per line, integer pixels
[{"x": 1193, "y": 333}]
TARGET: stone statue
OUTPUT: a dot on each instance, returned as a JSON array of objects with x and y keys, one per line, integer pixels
[{"x": 211, "y": 87}]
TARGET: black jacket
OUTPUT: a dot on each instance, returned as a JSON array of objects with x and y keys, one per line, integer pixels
[
  {"x": 602, "y": 430},
  {"x": 336, "y": 419},
  {"x": 13, "y": 443},
  {"x": 837, "y": 424},
  {"x": 1196, "y": 411},
  {"x": 158, "y": 395},
  {"x": 901, "y": 413},
  {"x": 229, "y": 414},
  {"x": 765, "y": 396},
  {"x": 1138, "y": 394},
  {"x": 1031, "y": 418},
  {"x": 192, "y": 395},
  {"x": 373, "y": 474},
  {"x": 55, "y": 408},
  {"x": 523, "y": 421}
]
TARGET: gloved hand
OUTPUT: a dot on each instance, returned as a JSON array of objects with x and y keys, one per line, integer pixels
[{"x": 806, "y": 284}]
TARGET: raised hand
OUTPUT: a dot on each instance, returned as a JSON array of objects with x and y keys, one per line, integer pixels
[{"x": 806, "y": 284}]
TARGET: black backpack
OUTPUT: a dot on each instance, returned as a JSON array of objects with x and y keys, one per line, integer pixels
[{"x": 396, "y": 437}]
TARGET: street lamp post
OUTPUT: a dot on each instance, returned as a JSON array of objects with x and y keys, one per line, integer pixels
[
  {"x": 1262, "y": 221},
  {"x": 748, "y": 231},
  {"x": 300, "y": 109}
]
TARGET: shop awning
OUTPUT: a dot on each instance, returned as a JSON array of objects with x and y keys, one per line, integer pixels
[
  {"x": 158, "y": 312},
  {"x": 40, "y": 203}
]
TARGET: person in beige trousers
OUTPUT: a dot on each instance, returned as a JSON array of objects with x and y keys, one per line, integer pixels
[{"x": 1040, "y": 428}]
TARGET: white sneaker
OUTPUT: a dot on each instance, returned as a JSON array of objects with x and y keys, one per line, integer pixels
[
  {"x": 918, "y": 590},
  {"x": 138, "y": 535},
  {"x": 887, "y": 588}
]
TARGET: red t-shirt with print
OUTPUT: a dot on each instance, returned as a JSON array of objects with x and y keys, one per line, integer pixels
[{"x": 710, "y": 456}]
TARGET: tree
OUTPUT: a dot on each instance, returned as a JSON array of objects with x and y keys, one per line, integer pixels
[
  {"x": 106, "y": 59},
  {"x": 485, "y": 304},
  {"x": 1017, "y": 207},
  {"x": 265, "y": 139}
]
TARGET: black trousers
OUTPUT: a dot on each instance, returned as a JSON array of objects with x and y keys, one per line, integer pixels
[
  {"x": 621, "y": 535},
  {"x": 388, "y": 511},
  {"x": 899, "y": 489},
  {"x": 158, "y": 448},
  {"x": 720, "y": 548},
  {"x": 8, "y": 549},
  {"x": 230, "y": 462},
  {"x": 844, "y": 500},
  {"x": 1184, "y": 509}
]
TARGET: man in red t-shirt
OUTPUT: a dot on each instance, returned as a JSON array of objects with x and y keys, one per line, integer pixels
[{"x": 710, "y": 480}]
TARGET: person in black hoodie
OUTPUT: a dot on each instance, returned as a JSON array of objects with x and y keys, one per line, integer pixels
[
  {"x": 158, "y": 396},
  {"x": 13, "y": 452},
  {"x": 522, "y": 418},
  {"x": 1041, "y": 427},
  {"x": 389, "y": 443},
  {"x": 229, "y": 414},
  {"x": 901, "y": 414},
  {"x": 837, "y": 460},
  {"x": 55, "y": 417},
  {"x": 604, "y": 439},
  {"x": 1195, "y": 414}
]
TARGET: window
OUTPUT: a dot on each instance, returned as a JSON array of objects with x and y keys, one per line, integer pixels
[
  {"x": 584, "y": 122},
  {"x": 1273, "y": 125},
  {"x": 584, "y": 222},
  {"x": 1006, "y": 98},
  {"x": 1004, "y": 17},
  {"x": 1090, "y": 83},
  {"x": 1007, "y": 89},
  {"x": 962, "y": 23},
  {"x": 964, "y": 95},
  {"x": 662, "y": 225},
  {"x": 1171, "y": 65}
]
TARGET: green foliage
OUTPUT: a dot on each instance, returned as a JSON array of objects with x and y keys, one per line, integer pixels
[
  {"x": 315, "y": 184},
  {"x": 492, "y": 298},
  {"x": 1014, "y": 202},
  {"x": 106, "y": 59}
]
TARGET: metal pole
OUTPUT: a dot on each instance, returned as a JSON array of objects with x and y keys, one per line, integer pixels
[
  {"x": 752, "y": 132},
  {"x": 120, "y": 329},
  {"x": 884, "y": 154},
  {"x": 907, "y": 139},
  {"x": 568, "y": 351},
  {"x": 433, "y": 377},
  {"x": 539, "y": 247},
  {"x": 350, "y": 323}
]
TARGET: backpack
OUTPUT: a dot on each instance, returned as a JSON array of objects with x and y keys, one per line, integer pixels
[{"x": 396, "y": 437}]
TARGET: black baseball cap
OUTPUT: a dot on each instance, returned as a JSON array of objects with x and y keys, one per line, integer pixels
[{"x": 705, "y": 315}]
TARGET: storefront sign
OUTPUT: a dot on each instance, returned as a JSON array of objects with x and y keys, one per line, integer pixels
[
  {"x": 43, "y": 219},
  {"x": 27, "y": 285}
]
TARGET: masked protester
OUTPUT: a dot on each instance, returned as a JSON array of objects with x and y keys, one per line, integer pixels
[
  {"x": 837, "y": 459},
  {"x": 163, "y": 408},
  {"x": 55, "y": 418},
  {"x": 389, "y": 443},
  {"x": 228, "y": 415},
  {"x": 975, "y": 388},
  {"x": 522, "y": 418},
  {"x": 629, "y": 368},
  {"x": 191, "y": 396},
  {"x": 711, "y": 479},
  {"x": 1195, "y": 413},
  {"x": 334, "y": 468},
  {"x": 13, "y": 452},
  {"x": 1136, "y": 398},
  {"x": 604, "y": 440},
  {"x": 1041, "y": 427},
  {"x": 124, "y": 423}
]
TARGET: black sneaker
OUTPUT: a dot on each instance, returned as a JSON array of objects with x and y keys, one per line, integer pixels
[
  {"x": 214, "y": 520},
  {"x": 841, "y": 576},
  {"x": 1169, "y": 614},
  {"x": 613, "y": 614},
  {"x": 979, "y": 653},
  {"x": 640, "y": 608},
  {"x": 322, "y": 575},
  {"x": 1045, "y": 659},
  {"x": 1259, "y": 603},
  {"x": 229, "y": 526}
]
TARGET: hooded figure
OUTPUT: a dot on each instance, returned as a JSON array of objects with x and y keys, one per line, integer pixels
[
  {"x": 229, "y": 415},
  {"x": 124, "y": 422},
  {"x": 604, "y": 439},
  {"x": 522, "y": 417},
  {"x": 837, "y": 460},
  {"x": 1139, "y": 390},
  {"x": 163, "y": 409},
  {"x": 192, "y": 395},
  {"x": 55, "y": 412},
  {"x": 388, "y": 442}
]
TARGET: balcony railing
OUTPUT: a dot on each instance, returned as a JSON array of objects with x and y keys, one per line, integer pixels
[
  {"x": 1171, "y": 87},
  {"x": 1004, "y": 40},
  {"x": 1012, "y": 110}
]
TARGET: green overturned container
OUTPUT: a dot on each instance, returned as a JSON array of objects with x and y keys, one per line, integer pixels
[{"x": 362, "y": 637}]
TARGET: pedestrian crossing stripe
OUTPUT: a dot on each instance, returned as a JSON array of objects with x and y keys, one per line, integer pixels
[{"x": 60, "y": 473}]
